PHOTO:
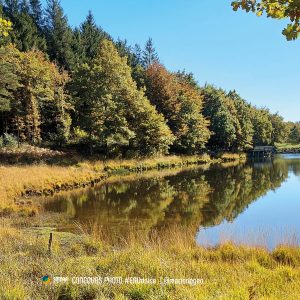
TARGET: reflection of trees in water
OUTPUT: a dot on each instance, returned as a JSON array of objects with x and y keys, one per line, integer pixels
[
  {"x": 235, "y": 188},
  {"x": 145, "y": 202},
  {"x": 191, "y": 198}
]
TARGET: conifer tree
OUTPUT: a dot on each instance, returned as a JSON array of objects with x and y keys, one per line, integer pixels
[
  {"x": 59, "y": 35},
  {"x": 91, "y": 36},
  {"x": 25, "y": 34},
  {"x": 36, "y": 12},
  {"x": 149, "y": 54}
]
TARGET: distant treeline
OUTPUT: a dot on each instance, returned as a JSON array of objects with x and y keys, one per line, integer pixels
[{"x": 79, "y": 87}]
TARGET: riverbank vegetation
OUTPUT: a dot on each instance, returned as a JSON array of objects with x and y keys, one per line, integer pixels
[
  {"x": 288, "y": 148},
  {"x": 79, "y": 89},
  {"x": 228, "y": 271},
  {"x": 23, "y": 180}
]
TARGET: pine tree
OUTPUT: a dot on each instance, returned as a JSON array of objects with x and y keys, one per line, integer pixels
[
  {"x": 149, "y": 54},
  {"x": 138, "y": 71},
  {"x": 11, "y": 7},
  {"x": 25, "y": 34},
  {"x": 91, "y": 36},
  {"x": 138, "y": 55},
  {"x": 36, "y": 12},
  {"x": 59, "y": 35}
]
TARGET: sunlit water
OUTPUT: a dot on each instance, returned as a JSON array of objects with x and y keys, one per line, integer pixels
[{"x": 256, "y": 203}]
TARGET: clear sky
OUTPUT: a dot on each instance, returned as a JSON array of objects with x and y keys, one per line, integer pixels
[{"x": 228, "y": 49}]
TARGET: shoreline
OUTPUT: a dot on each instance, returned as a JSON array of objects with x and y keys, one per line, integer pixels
[{"x": 35, "y": 180}]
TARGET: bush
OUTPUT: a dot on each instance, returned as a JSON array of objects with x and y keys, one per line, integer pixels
[{"x": 8, "y": 140}]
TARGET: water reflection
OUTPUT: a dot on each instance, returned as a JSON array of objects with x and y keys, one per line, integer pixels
[{"x": 196, "y": 198}]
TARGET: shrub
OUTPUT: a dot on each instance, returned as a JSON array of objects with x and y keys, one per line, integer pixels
[{"x": 8, "y": 140}]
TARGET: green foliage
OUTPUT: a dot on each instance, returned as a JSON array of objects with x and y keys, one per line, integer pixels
[
  {"x": 243, "y": 114},
  {"x": 108, "y": 106},
  {"x": 280, "y": 130},
  {"x": 262, "y": 127},
  {"x": 36, "y": 12},
  {"x": 87, "y": 39},
  {"x": 239, "y": 126},
  {"x": 59, "y": 35},
  {"x": 294, "y": 135},
  {"x": 276, "y": 9},
  {"x": 116, "y": 116},
  {"x": 8, "y": 82},
  {"x": 8, "y": 140},
  {"x": 181, "y": 104},
  {"x": 25, "y": 34},
  {"x": 222, "y": 122},
  {"x": 149, "y": 54},
  {"x": 36, "y": 94}
]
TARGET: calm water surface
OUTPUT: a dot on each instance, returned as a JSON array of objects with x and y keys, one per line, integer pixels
[{"x": 253, "y": 203}]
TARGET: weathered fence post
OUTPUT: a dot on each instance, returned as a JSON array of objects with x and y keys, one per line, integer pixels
[{"x": 50, "y": 242}]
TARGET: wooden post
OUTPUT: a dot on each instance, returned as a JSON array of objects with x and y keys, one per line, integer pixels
[{"x": 50, "y": 242}]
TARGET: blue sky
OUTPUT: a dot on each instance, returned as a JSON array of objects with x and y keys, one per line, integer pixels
[{"x": 231, "y": 50}]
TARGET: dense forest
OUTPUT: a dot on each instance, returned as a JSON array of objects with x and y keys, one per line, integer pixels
[{"x": 79, "y": 88}]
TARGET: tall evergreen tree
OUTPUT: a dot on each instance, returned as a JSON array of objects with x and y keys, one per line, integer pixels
[
  {"x": 91, "y": 36},
  {"x": 11, "y": 7},
  {"x": 25, "y": 34},
  {"x": 59, "y": 35},
  {"x": 149, "y": 54},
  {"x": 36, "y": 12}
]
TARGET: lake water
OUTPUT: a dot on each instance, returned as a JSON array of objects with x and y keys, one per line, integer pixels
[{"x": 253, "y": 203}]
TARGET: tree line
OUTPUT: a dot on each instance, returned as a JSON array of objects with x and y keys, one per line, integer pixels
[{"x": 63, "y": 86}]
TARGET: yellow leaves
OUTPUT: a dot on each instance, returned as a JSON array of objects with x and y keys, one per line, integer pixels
[
  {"x": 5, "y": 27},
  {"x": 276, "y": 9}
]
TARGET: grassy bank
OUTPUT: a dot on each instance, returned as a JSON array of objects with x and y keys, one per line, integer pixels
[
  {"x": 25, "y": 180},
  {"x": 287, "y": 148},
  {"x": 227, "y": 271}
]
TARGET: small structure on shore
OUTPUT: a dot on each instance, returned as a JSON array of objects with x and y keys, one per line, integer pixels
[{"x": 262, "y": 151}]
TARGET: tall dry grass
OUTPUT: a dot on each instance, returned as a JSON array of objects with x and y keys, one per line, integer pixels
[{"x": 38, "y": 179}]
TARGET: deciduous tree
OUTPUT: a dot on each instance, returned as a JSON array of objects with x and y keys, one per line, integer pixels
[
  {"x": 181, "y": 104},
  {"x": 116, "y": 116},
  {"x": 276, "y": 9}
]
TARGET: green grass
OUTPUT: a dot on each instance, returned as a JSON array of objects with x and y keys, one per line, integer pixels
[
  {"x": 285, "y": 146},
  {"x": 228, "y": 271}
]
